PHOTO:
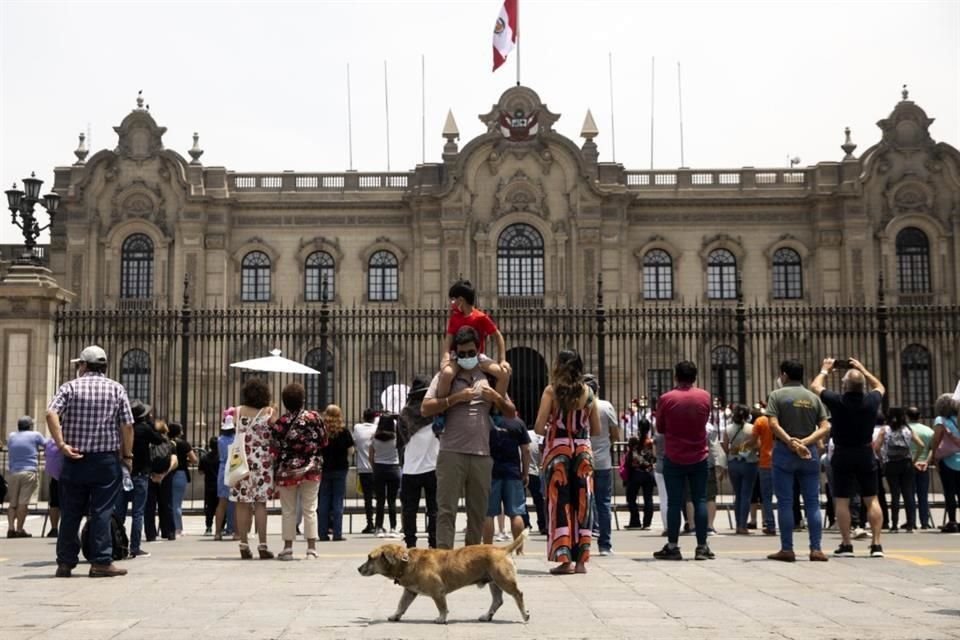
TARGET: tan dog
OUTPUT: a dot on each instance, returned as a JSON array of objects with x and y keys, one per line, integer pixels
[{"x": 437, "y": 572}]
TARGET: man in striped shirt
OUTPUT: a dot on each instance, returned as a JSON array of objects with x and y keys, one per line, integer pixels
[{"x": 92, "y": 425}]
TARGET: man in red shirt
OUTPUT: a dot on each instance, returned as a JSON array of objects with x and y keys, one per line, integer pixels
[{"x": 682, "y": 416}]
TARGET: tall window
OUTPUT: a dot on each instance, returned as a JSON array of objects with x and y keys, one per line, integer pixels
[
  {"x": 721, "y": 275},
  {"x": 917, "y": 386},
  {"x": 520, "y": 262},
  {"x": 659, "y": 381},
  {"x": 318, "y": 277},
  {"x": 657, "y": 275},
  {"x": 255, "y": 277},
  {"x": 312, "y": 383},
  {"x": 787, "y": 275},
  {"x": 913, "y": 261},
  {"x": 136, "y": 267},
  {"x": 135, "y": 374},
  {"x": 383, "y": 277},
  {"x": 725, "y": 374},
  {"x": 380, "y": 380}
]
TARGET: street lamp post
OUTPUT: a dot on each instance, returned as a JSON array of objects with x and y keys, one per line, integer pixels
[{"x": 22, "y": 205}]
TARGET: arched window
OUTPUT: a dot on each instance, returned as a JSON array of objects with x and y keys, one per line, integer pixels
[
  {"x": 255, "y": 277},
  {"x": 917, "y": 386},
  {"x": 136, "y": 267},
  {"x": 318, "y": 277},
  {"x": 383, "y": 277},
  {"x": 913, "y": 261},
  {"x": 721, "y": 275},
  {"x": 312, "y": 383},
  {"x": 135, "y": 374},
  {"x": 520, "y": 262},
  {"x": 787, "y": 275},
  {"x": 657, "y": 275},
  {"x": 725, "y": 374}
]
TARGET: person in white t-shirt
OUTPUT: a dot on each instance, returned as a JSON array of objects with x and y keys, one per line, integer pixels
[
  {"x": 362, "y": 437},
  {"x": 535, "y": 484},
  {"x": 602, "y": 445},
  {"x": 419, "y": 467}
]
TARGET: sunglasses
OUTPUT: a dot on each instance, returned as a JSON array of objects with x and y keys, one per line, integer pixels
[{"x": 466, "y": 354}]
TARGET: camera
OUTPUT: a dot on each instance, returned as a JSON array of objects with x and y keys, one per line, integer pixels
[{"x": 842, "y": 363}]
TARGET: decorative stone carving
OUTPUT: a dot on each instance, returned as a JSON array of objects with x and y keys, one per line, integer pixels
[
  {"x": 453, "y": 236},
  {"x": 139, "y": 136},
  {"x": 139, "y": 200},
  {"x": 589, "y": 235},
  {"x": 520, "y": 193},
  {"x": 831, "y": 238},
  {"x": 76, "y": 273},
  {"x": 910, "y": 196}
]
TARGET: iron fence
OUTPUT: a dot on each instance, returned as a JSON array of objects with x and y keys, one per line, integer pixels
[{"x": 178, "y": 360}]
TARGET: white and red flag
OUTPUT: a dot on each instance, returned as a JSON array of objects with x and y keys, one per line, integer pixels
[{"x": 505, "y": 32}]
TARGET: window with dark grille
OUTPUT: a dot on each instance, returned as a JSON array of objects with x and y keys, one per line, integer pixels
[
  {"x": 380, "y": 380},
  {"x": 721, "y": 275},
  {"x": 136, "y": 267},
  {"x": 913, "y": 261},
  {"x": 659, "y": 381},
  {"x": 787, "y": 275},
  {"x": 312, "y": 383},
  {"x": 318, "y": 277},
  {"x": 135, "y": 375},
  {"x": 657, "y": 275},
  {"x": 916, "y": 379},
  {"x": 520, "y": 262},
  {"x": 255, "y": 277},
  {"x": 383, "y": 284},
  {"x": 725, "y": 374}
]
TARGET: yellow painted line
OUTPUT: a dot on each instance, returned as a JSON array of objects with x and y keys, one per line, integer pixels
[{"x": 920, "y": 561}]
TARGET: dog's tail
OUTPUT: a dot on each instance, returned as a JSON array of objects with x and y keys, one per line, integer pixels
[{"x": 516, "y": 544}]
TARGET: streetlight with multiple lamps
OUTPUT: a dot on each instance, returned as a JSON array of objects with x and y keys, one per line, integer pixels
[{"x": 22, "y": 205}]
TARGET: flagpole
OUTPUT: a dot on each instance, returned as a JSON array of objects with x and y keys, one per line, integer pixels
[
  {"x": 386, "y": 102},
  {"x": 349, "y": 119},
  {"x": 517, "y": 34},
  {"x": 653, "y": 61},
  {"x": 613, "y": 134},
  {"x": 680, "y": 107},
  {"x": 423, "y": 109}
]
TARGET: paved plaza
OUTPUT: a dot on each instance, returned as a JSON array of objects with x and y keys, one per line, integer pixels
[{"x": 198, "y": 588}]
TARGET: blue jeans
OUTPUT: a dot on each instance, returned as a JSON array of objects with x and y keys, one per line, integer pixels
[
  {"x": 787, "y": 466},
  {"x": 923, "y": 496},
  {"x": 602, "y": 494},
  {"x": 742, "y": 476},
  {"x": 179, "y": 489},
  {"x": 333, "y": 490},
  {"x": 141, "y": 485},
  {"x": 675, "y": 476},
  {"x": 88, "y": 487},
  {"x": 766, "y": 494}
]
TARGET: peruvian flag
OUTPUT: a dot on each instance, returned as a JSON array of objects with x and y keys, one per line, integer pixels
[{"x": 505, "y": 32}]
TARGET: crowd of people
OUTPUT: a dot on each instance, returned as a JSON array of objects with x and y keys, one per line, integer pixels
[{"x": 458, "y": 438}]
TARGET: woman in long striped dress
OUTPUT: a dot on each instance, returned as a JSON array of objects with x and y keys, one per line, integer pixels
[{"x": 567, "y": 417}]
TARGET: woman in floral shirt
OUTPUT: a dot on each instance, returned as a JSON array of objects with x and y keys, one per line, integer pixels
[{"x": 298, "y": 437}]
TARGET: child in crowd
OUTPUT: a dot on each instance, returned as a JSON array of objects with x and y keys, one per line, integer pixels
[{"x": 210, "y": 466}]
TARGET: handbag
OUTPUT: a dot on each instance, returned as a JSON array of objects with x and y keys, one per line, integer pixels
[
  {"x": 160, "y": 456},
  {"x": 237, "y": 466},
  {"x": 949, "y": 443},
  {"x": 53, "y": 459}
]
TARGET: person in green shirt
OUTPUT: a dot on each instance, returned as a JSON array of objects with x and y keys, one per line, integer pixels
[{"x": 922, "y": 483}]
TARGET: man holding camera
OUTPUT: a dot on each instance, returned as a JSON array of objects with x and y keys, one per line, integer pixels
[{"x": 854, "y": 415}]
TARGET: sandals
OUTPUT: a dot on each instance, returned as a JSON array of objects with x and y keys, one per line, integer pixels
[
  {"x": 562, "y": 570},
  {"x": 264, "y": 552},
  {"x": 312, "y": 554},
  {"x": 286, "y": 554},
  {"x": 245, "y": 551}
]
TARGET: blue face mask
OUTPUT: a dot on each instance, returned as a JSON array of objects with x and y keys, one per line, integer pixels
[{"x": 468, "y": 363}]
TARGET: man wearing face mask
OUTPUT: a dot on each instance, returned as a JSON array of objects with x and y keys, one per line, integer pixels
[{"x": 464, "y": 464}]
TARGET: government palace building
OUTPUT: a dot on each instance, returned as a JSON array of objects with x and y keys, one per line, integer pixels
[{"x": 538, "y": 224}]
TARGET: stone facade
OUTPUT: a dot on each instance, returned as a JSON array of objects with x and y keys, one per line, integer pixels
[{"x": 446, "y": 219}]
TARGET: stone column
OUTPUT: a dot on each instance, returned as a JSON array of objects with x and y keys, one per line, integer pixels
[{"x": 29, "y": 297}]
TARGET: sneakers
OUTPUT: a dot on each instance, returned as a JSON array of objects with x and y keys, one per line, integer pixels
[
  {"x": 818, "y": 556},
  {"x": 106, "y": 571},
  {"x": 668, "y": 553},
  {"x": 859, "y": 533},
  {"x": 783, "y": 556},
  {"x": 704, "y": 553},
  {"x": 876, "y": 551},
  {"x": 606, "y": 552},
  {"x": 208, "y": 531},
  {"x": 950, "y": 527},
  {"x": 53, "y": 533},
  {"x": 500, "y": 537},
  {"x": 711, "y": 531},
  {"x": 139, "y": 553},
  {"x": 396, "y": 534},
  {"x": 381, "y": 533},
  {"x": 368, "y": 530},
  {"x": 844, "y": 551},
  {"x": 769, "y": 532}
]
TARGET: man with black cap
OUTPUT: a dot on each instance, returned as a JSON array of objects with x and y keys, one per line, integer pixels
[
  {"x": 96, "y": 437},
  {"x": 419, "y": 466},
  {"x": 144, "y": 435}
]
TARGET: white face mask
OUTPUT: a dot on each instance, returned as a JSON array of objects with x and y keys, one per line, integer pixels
[{"x": 468, "y": 363}]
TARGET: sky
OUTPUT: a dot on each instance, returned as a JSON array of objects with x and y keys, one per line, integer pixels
[{"x": 265, "y": 83}]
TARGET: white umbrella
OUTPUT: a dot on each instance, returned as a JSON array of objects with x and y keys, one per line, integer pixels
[
  {"x": 394, "y": 397},
  {"x": 275, "y": 363}
]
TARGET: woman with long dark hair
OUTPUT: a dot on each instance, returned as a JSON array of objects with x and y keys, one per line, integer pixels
[
  {"x": 385, "y": 459},
  {"x": 336, "y": 463},
  {"x": 181, "y": 475},
  {"x": 567, "y": 418}
]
